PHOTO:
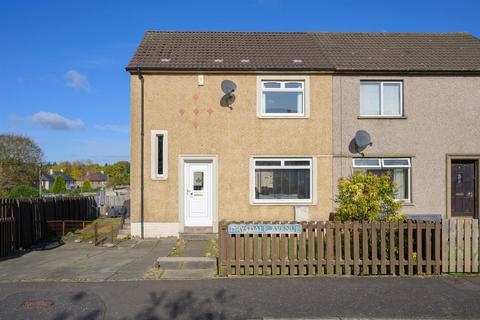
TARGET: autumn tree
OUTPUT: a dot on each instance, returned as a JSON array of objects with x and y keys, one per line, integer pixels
[
  {"x": 20, "y": 159},
  {"x": 118, "y": 173}
]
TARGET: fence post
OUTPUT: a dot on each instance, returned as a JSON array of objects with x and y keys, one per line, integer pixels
[
  {"x": 111, "y": 227},
  {"x": 63, "y": 228},
  {"x": 95, "y": 235}
]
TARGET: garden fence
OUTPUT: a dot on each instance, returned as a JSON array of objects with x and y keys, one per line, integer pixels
[
  {"x": 335, "y": 248},
  {"x": 26, "y": 219}
]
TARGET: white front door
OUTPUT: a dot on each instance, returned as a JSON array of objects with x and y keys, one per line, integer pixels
[{"x": 198, "y": 194}]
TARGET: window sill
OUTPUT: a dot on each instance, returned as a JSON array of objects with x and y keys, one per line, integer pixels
[
  {"x": 159, "y": 178},
  {"x": 264, "y": 116},
  {"x": 382, "y": 117},
  {"x": 408, "y": 204},
  {"x": 282, "y": 203}
]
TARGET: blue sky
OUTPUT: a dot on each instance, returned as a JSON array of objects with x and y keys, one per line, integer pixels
[{"x": 63, "y": 80}]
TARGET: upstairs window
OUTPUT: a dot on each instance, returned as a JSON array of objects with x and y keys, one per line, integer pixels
[
  {"x": 381, "y": 98},
  {"x": 397, "y": 168},
  {"x": 283, "y": 98}
]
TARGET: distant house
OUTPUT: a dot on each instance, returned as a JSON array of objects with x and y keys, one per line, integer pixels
[
  {"x": 97, "y": 179},
  {"x": 49, "y": 178}
]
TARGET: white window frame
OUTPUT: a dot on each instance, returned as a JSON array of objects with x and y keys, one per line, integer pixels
[
  {"x": 283, "y": 79},
  {"x": 282, "y": 165},
  {"x": 154, "y": 154},
  {"x": 381, "y": 115},
  {"x": 383, "y": 166}
]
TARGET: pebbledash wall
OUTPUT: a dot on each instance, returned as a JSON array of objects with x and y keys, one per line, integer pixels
[
  {"x": 441, "y": 122},
  {"x": 198, "y": 125}
]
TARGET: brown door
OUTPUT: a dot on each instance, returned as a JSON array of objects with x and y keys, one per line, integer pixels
[{"x": 464, "y": 193}]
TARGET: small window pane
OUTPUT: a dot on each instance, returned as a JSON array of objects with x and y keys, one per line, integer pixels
[
  {"x": 198, "y": 180},
  {"x": 396, "y": 163},
  {"x": 267, "y": 163},
  {"x": 369, "y": 98},
  {"x": 282, "y": 184},
  {"x": 366, "y": 162},
  {"x": 271, "y": 85},
  {"x": 297, "y": 163},
  {"x": 290, "y": 85},
  {"x": 160, "y": 155},
  {"x": 283, "y": 102},
  {"x": 391, "y": 99},
  {"x": 400, "y": 177}
]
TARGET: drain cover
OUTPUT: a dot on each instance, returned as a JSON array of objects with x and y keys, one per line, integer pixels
[
  {"x": 36, "y": 304},
  {"x": 43, "y": 305}
]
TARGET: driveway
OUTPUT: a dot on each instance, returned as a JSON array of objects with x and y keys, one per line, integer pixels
[{"x": 129, "y": 260}]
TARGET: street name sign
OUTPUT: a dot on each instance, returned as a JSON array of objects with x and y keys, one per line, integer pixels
[{"x": 265, "y": 228}]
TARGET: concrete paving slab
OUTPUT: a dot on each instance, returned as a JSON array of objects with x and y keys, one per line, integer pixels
[
  {"x": 85, "y": 262},
  {"x": 187, "y": 274},
  {"x": 194, "y": 248},
  {"x": 186, "y": 262}
]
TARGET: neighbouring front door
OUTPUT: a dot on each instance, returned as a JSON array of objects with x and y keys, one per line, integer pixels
[
  {"x": 463, "y": 188},
  {"x": 198, "y": 194}
]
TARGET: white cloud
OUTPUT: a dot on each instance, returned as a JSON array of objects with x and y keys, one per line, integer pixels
[
  {"x": 54, "y": 121},
  {"x": 113, "y": 127},
  {"x": 77, "y": 81}
]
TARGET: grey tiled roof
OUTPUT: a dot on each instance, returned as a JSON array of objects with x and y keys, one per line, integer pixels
[
  {"x": 401, "y": 51},
  {"x": 303, "y": 51},
  {"x": 228, "y": 51}
]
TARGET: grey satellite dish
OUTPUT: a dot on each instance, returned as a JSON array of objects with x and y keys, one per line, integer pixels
[
  {"x": 362, "y": 140},
  {"x": 228, "y": 87}
]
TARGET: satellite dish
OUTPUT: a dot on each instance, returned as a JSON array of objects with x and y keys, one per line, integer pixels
[
  {"x": 362, "y": 140},
  {"x": 228, "y": 87}
]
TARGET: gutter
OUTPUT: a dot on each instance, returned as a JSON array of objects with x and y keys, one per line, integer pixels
[{"x": 142, "y": 142}]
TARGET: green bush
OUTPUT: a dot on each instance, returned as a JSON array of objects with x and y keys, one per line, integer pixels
[
  {"x": 59, "y": 185},
  {"x": 22, "y": 191},
  {"x": 86, "y": 186},
  {"x": 367, "y": 197}
]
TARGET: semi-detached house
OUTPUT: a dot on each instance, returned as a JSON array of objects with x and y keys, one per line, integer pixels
[{"x": 274, "y": 148}]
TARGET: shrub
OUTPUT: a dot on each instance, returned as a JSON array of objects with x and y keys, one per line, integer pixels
[
  {"x": 22, "y": 191},
  {"x": 367, "y": 197},
  {"x": 86, "y": 186},
  {"x": 59, "y": 185}
]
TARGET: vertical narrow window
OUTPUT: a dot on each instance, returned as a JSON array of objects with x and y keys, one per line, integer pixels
[
  {"x": 160, "y": 154},
  {"x": 159, "y": 159}
]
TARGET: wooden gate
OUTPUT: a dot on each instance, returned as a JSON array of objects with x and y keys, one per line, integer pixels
[{"x": 460, "y": 245}]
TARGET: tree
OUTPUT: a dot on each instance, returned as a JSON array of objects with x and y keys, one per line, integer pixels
[
  {"x": 118, "y": 173},
  {"x": 20, "y": 158},
  {"x": 59, "y": 185},
  {"x": 367, "y": 197},
  {"x": 86, "y": 186}
]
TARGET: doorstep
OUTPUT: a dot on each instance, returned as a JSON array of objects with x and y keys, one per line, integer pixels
[{"x": 192, "y": 268}]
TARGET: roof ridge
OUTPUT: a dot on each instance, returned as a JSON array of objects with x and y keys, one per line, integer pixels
[{"x": 225, "y": 32}]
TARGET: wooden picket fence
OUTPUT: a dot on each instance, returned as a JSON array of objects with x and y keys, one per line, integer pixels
[
  {"x": 460, "y": 245},
  {"x": 335, "y": 248}
]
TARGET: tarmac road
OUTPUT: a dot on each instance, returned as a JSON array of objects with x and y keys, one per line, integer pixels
[{"x": 253, "y": 298}]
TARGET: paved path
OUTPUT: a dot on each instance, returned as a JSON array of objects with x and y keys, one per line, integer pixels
[
  {"x": 130, "y": 260},
  {"x": 254, "y": 298}
]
